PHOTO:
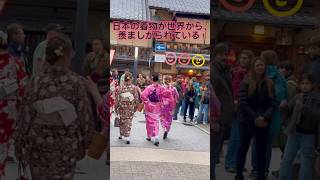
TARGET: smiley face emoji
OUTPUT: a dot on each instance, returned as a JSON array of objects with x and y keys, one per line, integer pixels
[
  {"x": 171, "y": 58},
  {"x": 198, "y": 60},
  {"x": 233, "y": 7},
  {"x": 184, "y": 59},
  {"x": 282, "y": 4}
]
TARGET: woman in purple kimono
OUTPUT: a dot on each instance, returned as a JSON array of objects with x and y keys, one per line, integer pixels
[
  {"x": 152, "y": 99},
  {"x": 170, "y": 97}
]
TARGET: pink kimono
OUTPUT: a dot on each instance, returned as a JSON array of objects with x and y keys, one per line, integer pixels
[
  {"x": 152, "y": 99},
  {"x": 170, "y": 97}
]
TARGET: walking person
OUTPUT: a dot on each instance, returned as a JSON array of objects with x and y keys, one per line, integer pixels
[
  {"x": 127, "y": 99},
  {"x": 239, "y": 72},
  {"x": 178, "y": 86},
  {"x": 13, "y": 80},
  {"x": 17, "y": 47},
  {"x": 286, "y": 69},
  {"x": 95, "y": 64},
  {"x": 190, "y": 97},
  {"x": 170, "y": 98},
  {"x": 203, "y": 115},
  {"x": 256, "y": 106},
  {"x": 222, "y": 85},
  {"x": 303, "y": 120},
  {"x": 55, "y": 117},
  {"x": 39, "y": 55},
  {"x": 271, "y": 60},
  {"x": 140, "y": 82},
  {"x": 152, "y": 99}
]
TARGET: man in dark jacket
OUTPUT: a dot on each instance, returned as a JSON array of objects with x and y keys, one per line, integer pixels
[
  {"x": 17, "y": 47},
  {"x": 221, "y": 82},
  {"x": 314, "y": 66}
]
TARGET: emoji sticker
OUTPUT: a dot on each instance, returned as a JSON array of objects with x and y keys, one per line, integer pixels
[
  {"x": 281, "y": 4},
  {"x": 198, "y": 60},
  {"x": 234, "y": 8},
  {"x": 171, "y": 58},
  {"x": 184, "y": 59}
]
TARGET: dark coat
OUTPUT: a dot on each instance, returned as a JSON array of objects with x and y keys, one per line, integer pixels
[
  {"x": 222, "y": 84},
  {"x": 255, "y": 105}
]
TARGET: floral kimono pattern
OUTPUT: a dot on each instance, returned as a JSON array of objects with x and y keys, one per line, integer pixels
[
  {"x": 126, "y": 107},
  {"x": 170, "y": 97},
  {"x": 10, "y": 69},
  {"x": 50, "y": 147},
  {"x": 152, "y": 109}
]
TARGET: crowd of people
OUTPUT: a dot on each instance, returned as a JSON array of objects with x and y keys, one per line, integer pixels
[
  {"x": 161, "y": 100},
  {"x": 46, "y": 110},
  {"x": 262, "y": 103}
]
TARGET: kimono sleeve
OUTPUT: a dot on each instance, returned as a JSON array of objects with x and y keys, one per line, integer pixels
[
  {"x": 26, "y": 113},
  {"x": 84, "y": 113},
  {"x": 103, "y": 110},
  {"x": 144, "y": 95},
  {"x": 22, "y": 79}
]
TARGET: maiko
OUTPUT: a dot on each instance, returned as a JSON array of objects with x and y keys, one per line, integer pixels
[{"x": 267, "y": 5}]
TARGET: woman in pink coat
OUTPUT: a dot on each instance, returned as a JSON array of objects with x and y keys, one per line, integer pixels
[
  {"x": 152, "y": 99},
  {"x": 170, "y": 98}
]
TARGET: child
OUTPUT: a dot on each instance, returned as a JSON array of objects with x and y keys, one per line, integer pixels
[{"x": 303, "y": 119}]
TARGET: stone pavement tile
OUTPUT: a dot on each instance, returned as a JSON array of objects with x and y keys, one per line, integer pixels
[
  {"x": 158, "y": 171},
  {"x": 90, "y": 170},
  {"x": 159, "y": 155},
  {"x": 181, "y": 137},
  {"x": 221, "y": 174}
]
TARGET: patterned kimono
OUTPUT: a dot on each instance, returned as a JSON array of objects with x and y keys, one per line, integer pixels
[
  {"x": 48, "y": 145},
  {"x": 152, "y": 109},
  {"x": 127, "y": 99},
  {"x": 113, "y": 87},
  {"x": 170, "y": 97},
  {"x": 10, "y": 69}
]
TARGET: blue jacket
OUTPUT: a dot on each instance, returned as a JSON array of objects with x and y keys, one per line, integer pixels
[{"x": 281, "y": 93}]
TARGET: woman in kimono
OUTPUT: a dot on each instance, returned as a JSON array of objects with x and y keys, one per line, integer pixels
[
  {"x": 127, "y": 99},
  {"x": 152, "y": 99},
  {"x": 170, "y": 99},
  {"x": 54, "y": 128},
  {"x": 13, "y": 79}
]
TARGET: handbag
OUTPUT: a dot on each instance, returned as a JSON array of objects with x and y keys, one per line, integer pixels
[
  {"x": 117, "y": 121},
  {"x": 98, "y": 145}
]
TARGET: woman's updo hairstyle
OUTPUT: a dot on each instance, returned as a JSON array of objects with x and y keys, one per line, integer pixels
[
  {"x": 57, "y": 47},
  {"x": 127, "y": 76}
]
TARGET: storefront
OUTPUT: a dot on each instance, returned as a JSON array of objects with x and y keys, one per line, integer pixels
[{"x": 257, "y": 30}]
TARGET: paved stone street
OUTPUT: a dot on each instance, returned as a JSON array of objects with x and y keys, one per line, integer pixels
[
  {"x": 184, "y": 155},
  {"x": 87, "y": 169}
]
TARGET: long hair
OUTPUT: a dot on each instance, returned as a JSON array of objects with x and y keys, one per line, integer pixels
[{"x": 254, "y": 83}]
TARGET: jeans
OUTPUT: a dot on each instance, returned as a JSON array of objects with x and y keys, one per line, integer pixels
[
  {"x": 176, "y": 111},
  {"x": 234, "y": 141},
  {"x": 246, "y": 134},
  {"x": 305, "y": 144},
  {"x": 254, "y": 163},
  {"x": 183, "y": 105},
  {"x": 216, "y": 144},
  {"x": 203, "y": 113},
  {"x": 189, "y": 105}
]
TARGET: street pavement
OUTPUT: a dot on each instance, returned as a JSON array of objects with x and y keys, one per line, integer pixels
[{"x": 185, "y": 154}]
